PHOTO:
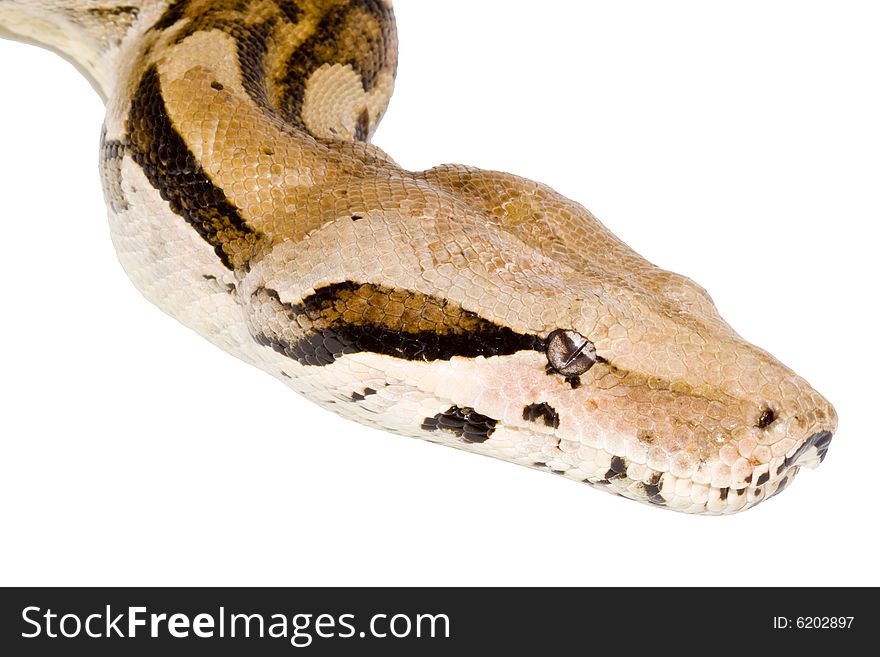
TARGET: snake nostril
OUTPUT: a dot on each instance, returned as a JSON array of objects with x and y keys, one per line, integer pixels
[{"x": 768, "y": 417}]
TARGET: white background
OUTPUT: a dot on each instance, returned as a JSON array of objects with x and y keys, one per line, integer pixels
[{"x": 735, "y": 143}]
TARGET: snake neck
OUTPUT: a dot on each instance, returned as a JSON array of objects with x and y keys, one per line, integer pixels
[{"x": 249, "y": 119}]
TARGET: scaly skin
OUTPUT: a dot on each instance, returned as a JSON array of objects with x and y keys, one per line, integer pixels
[{"x": 466, "y": 307}]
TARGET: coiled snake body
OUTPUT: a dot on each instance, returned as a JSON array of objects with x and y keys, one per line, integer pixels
[{"x": 466, "y": 307}]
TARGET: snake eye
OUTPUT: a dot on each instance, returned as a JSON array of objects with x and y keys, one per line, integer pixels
[{"x": 569, "y": 353}]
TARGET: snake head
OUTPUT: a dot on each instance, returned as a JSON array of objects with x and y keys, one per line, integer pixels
[{"x": 493, "y": 315}]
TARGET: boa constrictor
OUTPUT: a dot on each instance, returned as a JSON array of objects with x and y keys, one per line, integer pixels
[{"x": 470, "y": 308}]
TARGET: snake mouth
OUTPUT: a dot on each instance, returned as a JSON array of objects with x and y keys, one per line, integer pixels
[{"x": 811, "y": 452}]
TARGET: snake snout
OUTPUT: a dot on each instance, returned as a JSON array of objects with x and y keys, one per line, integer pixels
[{"x": 811, "y": 452}]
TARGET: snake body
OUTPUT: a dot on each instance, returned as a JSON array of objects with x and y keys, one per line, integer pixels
[{"x": 470, "y": 308}]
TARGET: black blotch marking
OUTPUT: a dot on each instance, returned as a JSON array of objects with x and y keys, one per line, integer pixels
[
  {"x": 652, "y": 489},
  {"x": 356, "y": 217},
  {"x": 466, "y": 423},
  {"x": 749, "y": 479},
  {"x": 174, "y": 171},
  {"x": 286, "y": 375},
  {"x": 767, "y": 418},
  {"x": 209, "y": 277},
  {"x": 361, "y": 396},
  {"x": 539, "y": 464},
  {"x": 216, "y": 85},
  {"x": 112, "y": 152},
  {"x": 757, "y": 492},
  {"x": 724, "y": 493},
  {"x": 230, "y": 288},
  {"x": 781, "y": 467},
  {"x": 557, "y": 472},
  {"x": 763, "y": 479},
  {"x": 322, "y": 346},
  {"x": 617, "y": 469},
  {"x": 741, "y": 491},
  {"x": 543, "y": 411}
]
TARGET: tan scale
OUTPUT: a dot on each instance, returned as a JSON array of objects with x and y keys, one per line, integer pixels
[{"x": 245, "y": 200}]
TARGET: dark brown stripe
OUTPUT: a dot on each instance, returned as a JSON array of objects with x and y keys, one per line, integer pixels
[
  {"x": 348, "y": 318},
  {"x": 173, "y": 170},
  {"x": 252, "y": 45}
]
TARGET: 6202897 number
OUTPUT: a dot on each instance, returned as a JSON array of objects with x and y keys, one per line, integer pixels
[{"x": 814, "y": 622}]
